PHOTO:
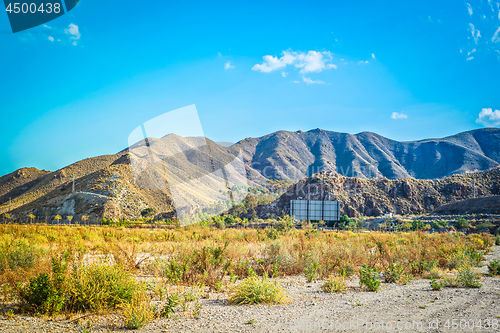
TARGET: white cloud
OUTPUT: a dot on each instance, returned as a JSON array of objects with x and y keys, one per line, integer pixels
[
  {"x": 396, "y": 115},
  {"x": 312, "y": 61},
  {"x": 228, "y": 65},
  {"x": 475, "y": 33},
  {"x": 489, "y": 118},
  {"x": 295, "y": 81},
  {"x": 496, "y": 38},
  {"x": 373, "y": 56},
  {"x": 74, "y": 32},
  {"x": 470, "y": 58},
  {"x": 284, "y": 74},
  {"x": 470, "y": 9},
  {"x": 51, "y": 38},
  {"x": 309, "y": 81}
]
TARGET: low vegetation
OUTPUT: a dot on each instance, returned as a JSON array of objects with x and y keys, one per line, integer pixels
[
  {"x": 52, "y": 270},
  {"x": 257, "y": 290}
]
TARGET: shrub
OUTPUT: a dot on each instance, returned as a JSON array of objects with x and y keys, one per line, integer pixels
[
  {"x": 368, "y": 276},
  {"x": 256, "y": 290},
  {"x": 484, "y": 225},
  {"x": 170, "y": 305},
  {"x": 494, "y": 268},
  {"x": 284, "y": 224},
  {"x": 334, "y": 284},
  {"x": 406, "y": 278},
  {"x": 393, "y": 273},
  {"x": 148, "y": 212},
  {"x": 461, "y": 223},
  {"x": 468, "y": 277},
  {"x": 100, "y": 287},
  {"x": 468, "y": 257},
  {"x": 45, "y": 293},
  {"x": 346, "y": 270},
  {"x": 311, "y": 272},
  {"x": 19, "y": 255},
  {"x": 435, "y": 285},
  {"x": 451, "y": 281},
  {"x": 417, "y": 225},
  {"x": 497, "y": 240},
  {"x": 137, "y": 313}
]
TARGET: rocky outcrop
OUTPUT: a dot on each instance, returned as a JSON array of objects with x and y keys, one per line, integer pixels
[{"x": 375, "y": 197}]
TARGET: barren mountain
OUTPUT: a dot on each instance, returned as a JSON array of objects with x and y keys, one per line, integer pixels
[
  {"x": 378, "y": 196},
  {"x": 294, "y": 155},
  {"x": 189, "y": 173}
]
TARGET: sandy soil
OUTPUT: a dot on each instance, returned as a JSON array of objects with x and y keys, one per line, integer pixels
[{"x": 414, "y": 308}]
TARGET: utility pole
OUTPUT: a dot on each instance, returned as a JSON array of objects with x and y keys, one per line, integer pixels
[{"x": 73, "y": 183}]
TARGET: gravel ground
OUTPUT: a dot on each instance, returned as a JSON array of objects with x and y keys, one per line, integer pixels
[{"x": 414, "y": 307}]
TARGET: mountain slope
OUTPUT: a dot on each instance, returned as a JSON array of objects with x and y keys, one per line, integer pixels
[
  {"x": 111, "y": 186},
  {"x": 294, "y": 155},
  {"x": 377, "y": 196}
]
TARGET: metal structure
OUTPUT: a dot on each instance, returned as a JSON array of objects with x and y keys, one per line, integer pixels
[{"x": 315, "y": 210}]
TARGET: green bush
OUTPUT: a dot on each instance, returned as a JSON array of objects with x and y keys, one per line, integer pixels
[
  {"x": 19, "y": 255},
  {"x": 494, "y": 268},
  {"x": 45, "y": 293},
  {"x": 311, "y": 272},
  {"x": 256, "y": 290},
  {"x": 368, "y": 276},
  {"x": 170, "y": 305},
  {"x": 497, "y": 240},
  {"x": 461, "y": 223},
  {"x": 468, "y": 277},
  {"x": 346, "y": 270},
  {"x": 435, "y": 285},
  {"x": 417, "y": 225},
  {"x": 484, "y": 225},
  {"x": 100, "y": 287},
  {"x": 393, "y": 273}
]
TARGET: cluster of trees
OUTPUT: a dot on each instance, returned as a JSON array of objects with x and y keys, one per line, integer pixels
[{"x": 352, "y": 224}]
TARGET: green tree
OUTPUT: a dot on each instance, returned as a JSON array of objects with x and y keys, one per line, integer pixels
[
  {"x": 417, "y": 225},
  {"x": 250, "y": 202},
  {"x": 344, "y": 222},
  {"x": 148, "y": 212}
]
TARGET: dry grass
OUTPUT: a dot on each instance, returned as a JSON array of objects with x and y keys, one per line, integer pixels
[{"x": 202, "y": 257}]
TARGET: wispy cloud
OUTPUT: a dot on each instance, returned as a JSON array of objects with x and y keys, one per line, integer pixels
[
  {"x": 284, "y": 74},
  {"x": 310, "y": 61},
  {"x": 309, "y": 81},
  {"x": 51, "y": 38},
  {"x": 470, "y": 9},
  {"x": 373, "y": 56},
  {"x": 396, "y": 115},
  {"x": 489, "y": 118},
  {"x": 484, "y": 27},
  {"x": 74, "y": 33},
  {"x": 228, "y": 65}
]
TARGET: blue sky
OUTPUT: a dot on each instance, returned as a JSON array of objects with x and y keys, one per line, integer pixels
[{"x": 78, "y": 86}]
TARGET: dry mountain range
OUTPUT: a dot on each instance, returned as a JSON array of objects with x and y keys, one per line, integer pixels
[{"x": 106, "y": 186}]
